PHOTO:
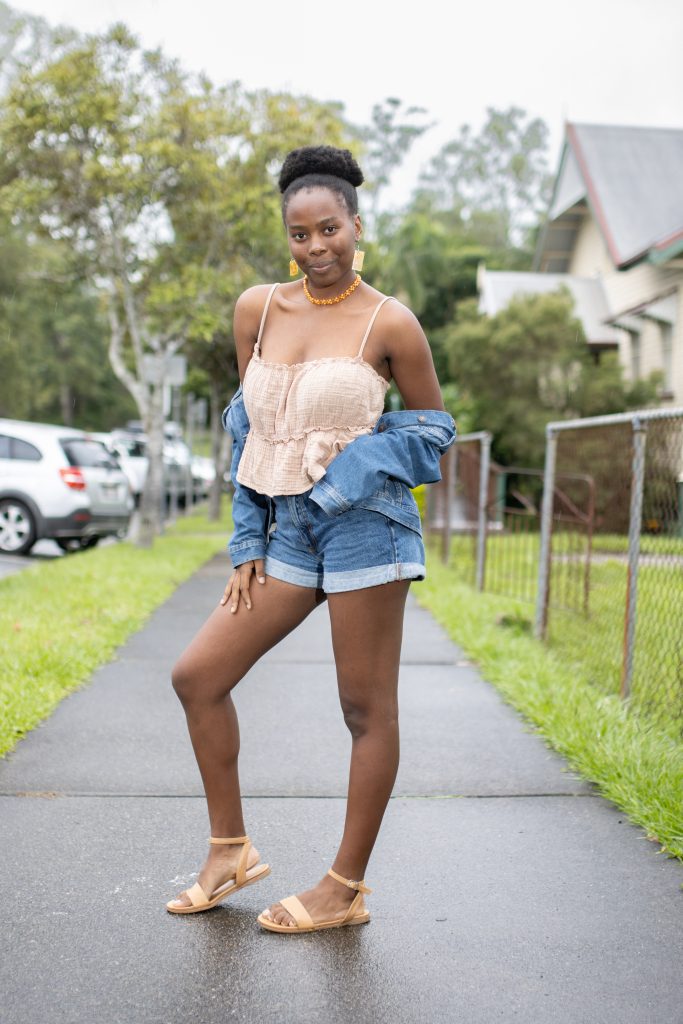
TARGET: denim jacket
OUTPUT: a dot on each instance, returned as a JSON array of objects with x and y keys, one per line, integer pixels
[{"x": 375, "y": 471}]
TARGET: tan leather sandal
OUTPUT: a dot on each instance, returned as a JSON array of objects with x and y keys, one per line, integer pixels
[
  {"x": 356, "y": 914},
  {"x": 242, "y": 877}
]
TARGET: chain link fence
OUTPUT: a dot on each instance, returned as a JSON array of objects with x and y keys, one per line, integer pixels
[{"x": 595, "y": 541}]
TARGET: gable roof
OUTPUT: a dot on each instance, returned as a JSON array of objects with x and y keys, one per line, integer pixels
[{"x": 631, "y": 179}]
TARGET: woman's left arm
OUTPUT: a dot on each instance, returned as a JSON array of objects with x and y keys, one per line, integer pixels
[
  {"x": 409, "y": 356},
  {"x": 406, "y": 445}
]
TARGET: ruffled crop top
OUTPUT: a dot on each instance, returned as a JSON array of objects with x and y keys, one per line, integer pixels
[{"x": 303, "y": 414}]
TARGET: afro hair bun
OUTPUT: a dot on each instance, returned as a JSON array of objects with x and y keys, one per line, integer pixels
[{"x": 320, "y": 160}]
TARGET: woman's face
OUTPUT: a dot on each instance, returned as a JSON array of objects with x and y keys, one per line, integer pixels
[{"x": 322, "y": 235}]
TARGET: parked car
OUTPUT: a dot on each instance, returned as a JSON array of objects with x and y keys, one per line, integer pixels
[
  {"x": 203, "y": 475},
  {"x": 130, "y": 446},
  {"x": 60, "y": 483},
  {"x": 131, "y": 452},
  {"x": 177, "y": 466}
]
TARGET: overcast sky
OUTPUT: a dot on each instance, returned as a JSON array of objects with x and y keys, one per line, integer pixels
[{"x": 599, "y": 61}]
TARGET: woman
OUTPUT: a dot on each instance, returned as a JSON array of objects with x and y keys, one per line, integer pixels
[{"x": 322, "y": 468}]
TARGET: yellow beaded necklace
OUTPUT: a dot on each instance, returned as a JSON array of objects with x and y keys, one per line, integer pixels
[{"x": 338, "y": 298}]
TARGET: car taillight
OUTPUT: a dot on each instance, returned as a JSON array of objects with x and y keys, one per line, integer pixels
[{"x": 73, "y": 478}]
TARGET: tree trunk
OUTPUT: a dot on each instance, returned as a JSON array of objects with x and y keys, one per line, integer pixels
[
  {"x": 66, "y": 403},
  {"x": 153, "y": 498},
  {"x": 66, "y": 398},
  {"x": 218, "y": 450}
]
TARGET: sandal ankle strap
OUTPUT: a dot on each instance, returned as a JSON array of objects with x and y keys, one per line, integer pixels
[
  {"x": 228, "y": 842},
  {"x": 350, "y": 883}
]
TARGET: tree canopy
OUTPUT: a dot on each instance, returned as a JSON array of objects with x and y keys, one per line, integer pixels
[{"x": 528, "y": 365}]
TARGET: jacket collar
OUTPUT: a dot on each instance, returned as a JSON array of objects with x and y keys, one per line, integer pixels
[{"x": 415, "y": 417}]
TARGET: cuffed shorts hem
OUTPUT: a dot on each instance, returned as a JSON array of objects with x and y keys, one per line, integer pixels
[
  {"x": 340, "y": 582},
  {"x": 292, "y": 573},
  {"x": 356, "y": 579}
]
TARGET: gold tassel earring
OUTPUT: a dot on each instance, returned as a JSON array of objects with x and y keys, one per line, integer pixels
[
  {"x": 358, "y": 258},
  {"x": 293, "y": 268}
]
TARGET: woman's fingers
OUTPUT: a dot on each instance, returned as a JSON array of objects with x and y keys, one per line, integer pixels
[
  {"x": 238, "y": 584},
  {"x": 228, "y": 589},
  {"x": 232, "y": 590},
  {"x": 243, "y": 588}
]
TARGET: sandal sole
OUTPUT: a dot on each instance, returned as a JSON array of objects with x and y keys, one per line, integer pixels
[
  {"x": 283, "y": 929},
  {"x": 221, "y": 896}
]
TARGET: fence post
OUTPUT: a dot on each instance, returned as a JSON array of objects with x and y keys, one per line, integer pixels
[
  {"x": 635, "y": 518},
  {"x": 482, "y": 517},
  {"x": 541, "y": 623}
]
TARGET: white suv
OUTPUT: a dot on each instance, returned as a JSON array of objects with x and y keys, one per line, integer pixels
[{"x": 61, "y": 483}]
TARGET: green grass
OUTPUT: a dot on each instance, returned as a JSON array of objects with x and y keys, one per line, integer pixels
[
  {"x": 197, "y": 523},
  {"x": 597, "y": 637},
  {"x": 636, "y": 765},
  {"x": 650, "y": 544},
  {"x": 61, "y": 619}
]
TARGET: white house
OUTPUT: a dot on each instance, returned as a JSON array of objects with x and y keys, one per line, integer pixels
[{"x": 614, "y": 236}]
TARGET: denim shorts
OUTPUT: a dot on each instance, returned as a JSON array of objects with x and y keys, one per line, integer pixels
[{"x": 358, "y": 548}]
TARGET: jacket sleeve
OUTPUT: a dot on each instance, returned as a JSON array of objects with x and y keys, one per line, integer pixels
[
  {"x": 406, "y": 445},
  {"x": 250, "y": 510}
]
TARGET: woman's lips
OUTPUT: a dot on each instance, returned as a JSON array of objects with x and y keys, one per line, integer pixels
[{"x": 320, "y": 268}]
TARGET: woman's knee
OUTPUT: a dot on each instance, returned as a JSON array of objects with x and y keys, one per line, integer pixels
[
  {"x": 182, "y": 680},
  {"x": 192, "y": 686},
  {"x": 362, "y": 717}
]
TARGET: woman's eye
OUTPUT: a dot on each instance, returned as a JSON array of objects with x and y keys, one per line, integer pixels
[{"x": 331, "y": 227}]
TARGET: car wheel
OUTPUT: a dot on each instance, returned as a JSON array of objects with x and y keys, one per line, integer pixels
[
  {"x": 76, "y": 543},
  {"x": 17, "y": 527}
]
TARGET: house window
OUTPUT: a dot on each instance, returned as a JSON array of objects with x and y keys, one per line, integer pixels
[{"x": 666, "y": 335}]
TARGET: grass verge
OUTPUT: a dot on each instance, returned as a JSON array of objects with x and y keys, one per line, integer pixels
[
  {"x": 636, "y": 766},
  {"x": 598, "y": 632},
  {"x": 61, "y": 619}
]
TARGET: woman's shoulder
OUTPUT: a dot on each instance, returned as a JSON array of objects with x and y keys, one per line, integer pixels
[
  {"x": 253, "y": 298},
  {"x": 397, "y": 328},
  {"x": 395, "y": 314}
]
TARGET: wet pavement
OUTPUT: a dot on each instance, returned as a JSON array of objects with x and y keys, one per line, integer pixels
[{"x": 505, "y": 888}]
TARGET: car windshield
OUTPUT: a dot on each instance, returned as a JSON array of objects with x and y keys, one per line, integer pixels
[{"x": 87, "y": 453}]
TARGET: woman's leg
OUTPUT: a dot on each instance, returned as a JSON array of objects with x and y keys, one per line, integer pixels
[
  {"x": 367, "y": 630},
  {"x": 221, "y": 653}
]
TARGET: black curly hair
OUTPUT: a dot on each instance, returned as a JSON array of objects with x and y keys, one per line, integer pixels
[{"x": 321, "y": 167}]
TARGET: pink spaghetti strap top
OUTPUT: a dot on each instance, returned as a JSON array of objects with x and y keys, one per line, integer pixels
[{"x": 303, "y": 414}]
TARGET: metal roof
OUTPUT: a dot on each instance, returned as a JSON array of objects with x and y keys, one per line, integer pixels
[
  {"x": 632, "y": 180},
  {"x": 498, "y": 287}
]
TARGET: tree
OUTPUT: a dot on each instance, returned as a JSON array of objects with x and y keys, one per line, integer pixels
[
  {"x": 528, "y": 365},
  {"x": 53, "y": 339},
  {"x": 497, "y": 181},
  {"x": 386, "y": 142},
  {"x": 24, "y": 40},
  {"x": 160, "y": 185}
]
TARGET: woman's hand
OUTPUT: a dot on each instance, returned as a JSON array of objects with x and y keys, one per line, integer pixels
[{"x": 238, "y": 584}]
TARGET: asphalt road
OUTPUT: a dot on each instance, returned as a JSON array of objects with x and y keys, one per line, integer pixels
[{"x": 505, "y": 888}]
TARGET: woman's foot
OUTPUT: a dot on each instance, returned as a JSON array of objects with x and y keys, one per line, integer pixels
[
  {"x": 219, "y": 867},
  {"x": 327, "y": 901}
]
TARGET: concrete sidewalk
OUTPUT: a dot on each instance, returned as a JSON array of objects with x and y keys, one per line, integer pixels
[{"x": 505, "y": 889}]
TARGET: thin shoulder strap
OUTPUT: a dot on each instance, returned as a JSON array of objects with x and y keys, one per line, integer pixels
[
  {"x": 377, "y": 309},
  {"x": 257, "y": 346}
]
